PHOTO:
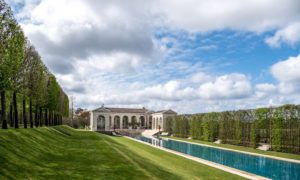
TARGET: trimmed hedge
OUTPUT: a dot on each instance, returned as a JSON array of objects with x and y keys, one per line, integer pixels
[{"x": 279, "y": 127}]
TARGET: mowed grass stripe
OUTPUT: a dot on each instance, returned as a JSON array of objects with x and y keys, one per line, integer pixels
[
  {"x": 64, "y": 153},
  {"x": 181, "y": 167}
]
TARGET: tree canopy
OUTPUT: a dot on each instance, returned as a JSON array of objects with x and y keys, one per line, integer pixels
[{"x": 23, "y": 74}]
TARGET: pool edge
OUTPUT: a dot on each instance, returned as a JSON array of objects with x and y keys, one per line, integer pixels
[
  {"x": 208, "y": 163},
  {"x": 244, "y": 152}
]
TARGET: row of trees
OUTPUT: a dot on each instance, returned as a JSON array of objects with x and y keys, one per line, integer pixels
[
  {"x": 28, "y": 90},
  {"x": 279, "y": 127}
]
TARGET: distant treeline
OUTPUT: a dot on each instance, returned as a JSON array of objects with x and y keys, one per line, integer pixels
[
  {"x": 30, "y": 94},
  {"x": 279, "y": 127}
]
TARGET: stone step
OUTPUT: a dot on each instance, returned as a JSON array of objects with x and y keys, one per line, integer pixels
[{"x": 149, "y": 133}]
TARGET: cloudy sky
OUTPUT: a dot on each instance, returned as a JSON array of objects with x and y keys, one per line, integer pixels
[{"x": 190, "y": 56}]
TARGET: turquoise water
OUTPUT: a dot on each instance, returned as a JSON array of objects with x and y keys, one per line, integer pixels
[{"x": 263, "y": 166}]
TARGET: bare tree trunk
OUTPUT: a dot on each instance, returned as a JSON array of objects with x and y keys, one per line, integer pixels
[
  {"x": 46, "y": 117},
  {"x": 36, "y": 116},
  {"x": 50, "y": 116},
  {"x": 30, "y": 113},
  {"x": 11, "y": 116},
  {"x": 24, "y": 112},
  {"x": 41, "y": 116},
  {"x": 55, "y": 119},
  {"x": 15, "y": 109},
  {"x": 3, "y": 110},
  {"x": 57, "y": 123}
]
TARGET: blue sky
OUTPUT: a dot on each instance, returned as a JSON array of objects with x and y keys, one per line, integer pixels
[
  {"x": 192, "y": 56},
  {"x": 231, "y": 51}
]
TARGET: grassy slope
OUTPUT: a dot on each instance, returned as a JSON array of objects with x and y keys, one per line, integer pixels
[
  {"x": 241, "y": 148},
  {"x": 63, "y": 153}
]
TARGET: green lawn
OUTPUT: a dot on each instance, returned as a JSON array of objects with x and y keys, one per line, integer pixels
[
  {"x": 241, "y": 148},
  {"x": 64, "y": 153}
]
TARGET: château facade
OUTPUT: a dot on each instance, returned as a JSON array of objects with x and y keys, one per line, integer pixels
[{"x": 109, "y": 119}]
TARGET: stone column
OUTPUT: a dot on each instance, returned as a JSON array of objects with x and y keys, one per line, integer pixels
[
  {"x": 129, "y": 121},
  {"x": 112, "y": 122},
  {"x": 153, "y": 122},
  {"x": 138, "y": 121},
  {"x": 95, "y": 117},
  {"x": 162, "y": 123},
  {"x": 91, "y": 120},
  {"x": 106, "y": 122},
  {"x": 121, "y": 122}
]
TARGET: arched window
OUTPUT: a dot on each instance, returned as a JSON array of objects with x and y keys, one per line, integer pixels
[
  {"x": 101, "y": 123},
  {"x": 117, "y": 122},
  {"x": 142, "y": 120},
  {"x": 125, "y": 122}
]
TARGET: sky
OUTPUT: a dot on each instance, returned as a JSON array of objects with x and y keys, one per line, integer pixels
[{"x": 190, "y": 56}]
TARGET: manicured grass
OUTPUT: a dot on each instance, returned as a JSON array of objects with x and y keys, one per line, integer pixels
[
  {"x": 241, "y": 148},
  {"x": 178, "y": 167},
  {"x": 64, "y": 153}
]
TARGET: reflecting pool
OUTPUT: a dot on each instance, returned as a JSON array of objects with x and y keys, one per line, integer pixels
[{"x": 259, "y": 165}]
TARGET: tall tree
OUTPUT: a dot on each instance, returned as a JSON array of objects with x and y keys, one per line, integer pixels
[{"x": 11, "y": 54}]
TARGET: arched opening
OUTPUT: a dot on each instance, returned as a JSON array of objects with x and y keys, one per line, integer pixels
[
  {"x": 142, "y": 121},
  {"x": 125, "y": 122},
  {"x": 156, "y": 123},
  {"x": 117, "y": 122},
  {"x": 150, "y": 122},
  {"x": 134, "y": 123},
  {"x": 101, "y": 123}
]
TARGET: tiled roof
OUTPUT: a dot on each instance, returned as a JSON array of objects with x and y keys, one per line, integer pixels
[
  {"x": 166, "y": 112},
  {"x": 122, "y": 110},
  {"x": 132, "y": 110},
  {"x": 127, "y": 110}
]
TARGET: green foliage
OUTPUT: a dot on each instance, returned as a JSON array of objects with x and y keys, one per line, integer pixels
[
  {"x": 277, "y": 130},
  {"x": 279, "y": 127},
  {"x": 254, "y": 137},
  {"x": 196, "y": 127},
  {"x": 210, "y": 126},
  {"x": 23, "y": 72},
  {"x": 169, "y": 124},
  {"x": 53, "y": 92},
  {"x": 238, "y": 131},
  {"x": 181, "y": 126},
  {"x": 7, "y": 36}
]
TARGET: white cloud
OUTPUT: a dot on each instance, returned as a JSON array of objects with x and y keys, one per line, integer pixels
[
  {"x": 289, "y": 35},
  {"x": 265, "y": 90},
  {"x": 107, "y": 51},
  {"x": 201, "y": 77},
  {"x": 231, "y": 86},
  {"x": 118, "y": 62},
  {"x": 252, "y": 15},
  {"x": 287, "y": 73},
  {"x": 170, "y": 91},
  {"x": 287, "y": 70},
  {"x": 69, "y": 30},
  {"x": 266, "y": 87}
]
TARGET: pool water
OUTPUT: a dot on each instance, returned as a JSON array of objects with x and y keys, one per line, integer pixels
[{"x": 262, "y": 166}]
